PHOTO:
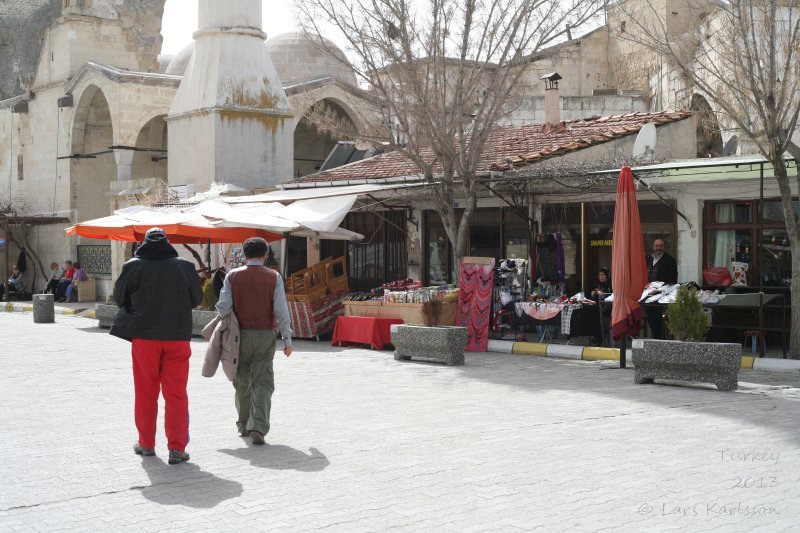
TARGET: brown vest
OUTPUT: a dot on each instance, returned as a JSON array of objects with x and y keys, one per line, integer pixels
[{"x": 252, "y": 289}]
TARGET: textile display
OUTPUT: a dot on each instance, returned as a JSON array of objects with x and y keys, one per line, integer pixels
[
  {"x": 475, "y": 302},
  {"x": 363, "y": 330},
  {"x": 313, "y": 318}
]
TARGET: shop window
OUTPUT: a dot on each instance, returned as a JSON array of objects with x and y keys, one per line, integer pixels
[
  {"x": 731, "y": 233},
  {"x": 439, "y": 254}
]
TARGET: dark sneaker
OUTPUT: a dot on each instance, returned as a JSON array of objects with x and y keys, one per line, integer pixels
[
  {"x": 138, "y": 449},
  {"x": 177, "y": 456},
  {"x": 257, "y": 437}
]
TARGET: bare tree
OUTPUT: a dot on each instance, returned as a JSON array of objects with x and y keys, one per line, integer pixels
[
  {"x": 742, "y": 55},
  {"x": 445, "y": 72}
]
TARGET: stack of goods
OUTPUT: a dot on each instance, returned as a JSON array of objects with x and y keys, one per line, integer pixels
[{"x": 420, "y": 296}]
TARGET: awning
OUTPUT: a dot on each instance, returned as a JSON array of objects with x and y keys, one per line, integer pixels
[
  {"x": 217, "y": 221},
  {"x": 290, "y": 195}
]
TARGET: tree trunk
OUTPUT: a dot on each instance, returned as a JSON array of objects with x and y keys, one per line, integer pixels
[
  {"x": 782, "y": 177},
  {"x": 31, "y": 254}
]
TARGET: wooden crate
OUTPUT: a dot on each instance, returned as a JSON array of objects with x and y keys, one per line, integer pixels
[
  {"x": 336, "y": 283},
  {"x": 408, "y": 313}
]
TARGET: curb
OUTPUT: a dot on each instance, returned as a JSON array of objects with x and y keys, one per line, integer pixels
[
  {"x": 593, "y": 353},
  {"x": 12, "y": 307}
]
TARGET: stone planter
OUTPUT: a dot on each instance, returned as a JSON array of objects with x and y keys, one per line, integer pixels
[
  {"x": 705, "y": 362},
  {"x": 438, "y": 343},
  {"x": 105, "y": 316},
  {"x": 200, "y": 319}
]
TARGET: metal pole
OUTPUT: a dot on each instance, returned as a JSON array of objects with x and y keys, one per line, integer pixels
[
  {"x": 583, "y": 247},
  {"x": 5, "y": 259},
  {"x": 761, "y": 334},
  {"x": 622, "y": 351}
]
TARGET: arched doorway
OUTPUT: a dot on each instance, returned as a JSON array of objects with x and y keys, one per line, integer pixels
[
  {"x": 150, "y": 159},
  {"x": 93, "y": 166},
  {"x": 709, "y": 138},
  {"x": 322, "y": 126}
]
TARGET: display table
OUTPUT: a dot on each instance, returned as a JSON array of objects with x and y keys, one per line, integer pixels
[
  {"x": 363, "y": 330},
  {"x": 409, "y": 313}
]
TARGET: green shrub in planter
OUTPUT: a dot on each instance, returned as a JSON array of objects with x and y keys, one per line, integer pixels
[{"x": 686, "y": 319}]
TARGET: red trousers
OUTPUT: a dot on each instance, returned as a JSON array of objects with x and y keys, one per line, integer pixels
[{"x": 161, "y": 366}]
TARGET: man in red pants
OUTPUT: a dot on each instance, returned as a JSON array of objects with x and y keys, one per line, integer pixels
[{"x": 156, "y": 292}]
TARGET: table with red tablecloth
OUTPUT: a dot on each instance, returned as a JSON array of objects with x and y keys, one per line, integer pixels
[{"x": 363, "y": 330}]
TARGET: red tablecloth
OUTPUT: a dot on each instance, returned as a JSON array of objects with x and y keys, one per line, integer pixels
[{"x": 363, "y": 330}]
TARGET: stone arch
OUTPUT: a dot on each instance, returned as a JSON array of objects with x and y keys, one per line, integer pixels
[
  {"x": 709, "y": 137},
  {"x": 311, "y": 146},
  {"x": 151, "y": 163},
  {"x": 92, "y": 133}
]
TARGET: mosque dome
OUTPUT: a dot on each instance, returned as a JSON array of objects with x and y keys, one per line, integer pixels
[
  {"x": 297, "y": 59},
  {"x": 177, "y": 65}
]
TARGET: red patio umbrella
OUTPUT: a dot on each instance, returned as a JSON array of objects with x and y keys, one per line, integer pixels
[{"x": 628, "y": 266}]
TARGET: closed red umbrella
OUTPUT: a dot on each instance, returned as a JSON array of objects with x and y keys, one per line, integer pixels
[{"x": 628, "y": 267}]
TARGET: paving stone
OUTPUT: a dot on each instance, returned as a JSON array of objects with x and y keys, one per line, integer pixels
[{"x": 361, "y": 443}]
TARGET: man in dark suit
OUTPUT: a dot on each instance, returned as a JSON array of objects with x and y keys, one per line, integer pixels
[{"x": 660, "y": 267}]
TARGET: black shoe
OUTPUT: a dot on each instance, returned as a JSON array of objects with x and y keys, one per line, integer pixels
[
  {"x": 257, "y": 437},
  {"x": 177, "y": 456}
]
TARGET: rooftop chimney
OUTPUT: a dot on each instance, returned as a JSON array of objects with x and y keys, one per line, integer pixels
[{"x": 552, "y": 103}]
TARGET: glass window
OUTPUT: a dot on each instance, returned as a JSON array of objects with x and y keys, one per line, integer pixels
[
  {"x": 517, "y": 235},
  {"x": 439, "y": 253},
  {"x": 773, "y": 212},
  {"x": 484, "y": 233},
  {"x": 729, "y": 213},
  {"x": 776, "y": 257},
  {"x": 725, "y": 246}
]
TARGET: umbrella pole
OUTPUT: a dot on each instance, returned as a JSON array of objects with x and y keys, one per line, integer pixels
[{"x": 622, "y": 351}]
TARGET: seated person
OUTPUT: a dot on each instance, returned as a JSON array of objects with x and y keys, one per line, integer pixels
[
  {"x": 65, "y": 281},
  {"x": 56, "y": 273},
  {"x": 16, "y": 283},
  {"x": 79, "y": 275}
]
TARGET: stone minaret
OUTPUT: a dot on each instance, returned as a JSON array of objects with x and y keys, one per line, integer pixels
[{"x": 230, "y": 120}]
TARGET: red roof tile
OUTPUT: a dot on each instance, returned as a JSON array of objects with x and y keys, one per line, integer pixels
[{"x": 511, "y": 145}]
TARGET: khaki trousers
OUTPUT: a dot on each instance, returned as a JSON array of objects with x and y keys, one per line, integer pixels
[{"x": 255, "y": 380}]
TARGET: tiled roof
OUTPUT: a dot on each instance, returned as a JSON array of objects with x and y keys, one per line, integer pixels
[{"x": 512, "y": 146}]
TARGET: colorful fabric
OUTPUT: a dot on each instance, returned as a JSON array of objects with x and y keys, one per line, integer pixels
[
  {"x": 475, "y": 303},
  {"x": 310, "y": 319}
]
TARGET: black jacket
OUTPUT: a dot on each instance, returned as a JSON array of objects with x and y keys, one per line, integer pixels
[
  {"x": 666, "y": 269},
  {"x": 156, "y": 293}
]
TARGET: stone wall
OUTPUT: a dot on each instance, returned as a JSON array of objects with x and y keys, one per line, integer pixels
[{"x": 22, "y": 25}]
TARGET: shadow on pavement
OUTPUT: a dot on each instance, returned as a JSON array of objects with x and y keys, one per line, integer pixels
[
  {"x": 765, "y": 391},
  {"x": 186, "y": 484},
  {"x": 281, "y": 457}
]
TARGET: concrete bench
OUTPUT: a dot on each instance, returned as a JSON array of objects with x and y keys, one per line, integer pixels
[
  {"x": 704, "y": 362},
  {"x": 444, "y": 344}
]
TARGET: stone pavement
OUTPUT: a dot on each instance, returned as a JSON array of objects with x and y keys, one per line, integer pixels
[{"x": 360, "y": 442}]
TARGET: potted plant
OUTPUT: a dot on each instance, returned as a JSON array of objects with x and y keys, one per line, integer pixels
[
  {"x": 430, "y": 340},
  {"x": 687, "y": 358}
]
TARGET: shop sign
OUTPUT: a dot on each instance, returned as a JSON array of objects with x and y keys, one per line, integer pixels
[{"x": 601, "y": 242}]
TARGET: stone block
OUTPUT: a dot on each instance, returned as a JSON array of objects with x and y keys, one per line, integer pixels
[
  {"x": 44, "y": 308},
  {"x": 200, "y": 320},
  {"x": 438, "y": 343},
  {"x": 705, "y": 362},
  {"x": 105, "y": 315}
]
